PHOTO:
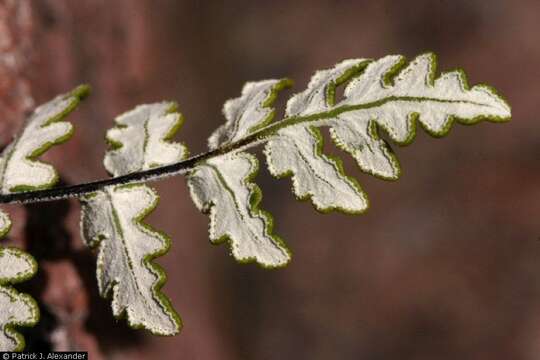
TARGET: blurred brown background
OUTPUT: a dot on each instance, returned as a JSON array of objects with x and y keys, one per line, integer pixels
[{"x": 445, "y": 264}]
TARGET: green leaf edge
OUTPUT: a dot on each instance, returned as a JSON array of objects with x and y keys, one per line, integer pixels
[{"x": 268, "y": 103}]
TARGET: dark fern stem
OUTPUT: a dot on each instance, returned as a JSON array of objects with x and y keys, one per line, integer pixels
[
  {"x": 79, "y": 190},
  {"x": 87, "y": 188},
  {"x": 185, "y": 166}
]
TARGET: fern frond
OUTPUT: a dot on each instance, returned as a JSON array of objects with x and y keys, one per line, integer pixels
[
  {"x": 387, "y": 95},
  {"x": 378, "y": 94},
  {"x": 383, "y": 94}
]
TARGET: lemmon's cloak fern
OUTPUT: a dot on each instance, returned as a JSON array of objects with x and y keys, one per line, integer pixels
[
  {"x": 383, "y": 94},
  {"x": 19, "y": 171},
  {"x": 112, "y": 219},
  {"x": 386, "y": 94}
]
